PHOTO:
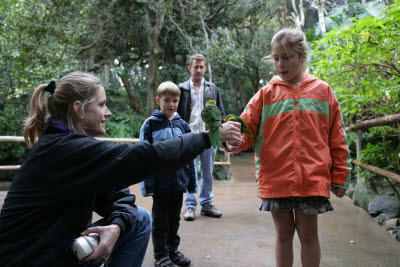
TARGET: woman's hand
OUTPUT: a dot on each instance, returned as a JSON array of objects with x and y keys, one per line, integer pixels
[
  {"x": 230, "y": 132},
  {"x": 108, "y": 237},
  {"x": 338, "y": 191}
]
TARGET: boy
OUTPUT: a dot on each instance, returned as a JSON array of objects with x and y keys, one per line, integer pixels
[{"x": 167, "y": 191}]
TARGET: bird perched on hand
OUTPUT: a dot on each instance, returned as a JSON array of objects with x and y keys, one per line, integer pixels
[
  {"x": 243, "y": 126},
  {"x": 212, "y": 117}
]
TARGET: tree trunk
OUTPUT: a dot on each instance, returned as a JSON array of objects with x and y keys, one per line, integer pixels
[
  {"x": 155, "y": 22},
  {"x": 134, "y": 104},
  {"x": 106, "y": 76},
  {"x": 298, "y": 16},
  {"x": 321, "y": 17},
  {"x": 209, "y": 70},
  {"x": 284, "y": 13}
]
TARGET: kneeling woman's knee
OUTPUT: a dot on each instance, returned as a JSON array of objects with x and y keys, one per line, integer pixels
[
  {"x": 141, "y": 226},
  {"x": 143, "y": 220}
]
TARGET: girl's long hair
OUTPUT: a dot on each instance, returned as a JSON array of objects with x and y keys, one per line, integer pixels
[{"x": 76, "y": 86}]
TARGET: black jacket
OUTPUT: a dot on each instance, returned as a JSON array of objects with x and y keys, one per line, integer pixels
[
  {"x": 210, "y": 91},
  {"x": 65, "y": 177}
]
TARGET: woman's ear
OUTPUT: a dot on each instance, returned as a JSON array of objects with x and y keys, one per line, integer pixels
[{"x": 77, "y": 106}]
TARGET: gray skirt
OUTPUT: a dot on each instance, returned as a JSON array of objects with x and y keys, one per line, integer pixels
[{"x": 308, "y": 205}]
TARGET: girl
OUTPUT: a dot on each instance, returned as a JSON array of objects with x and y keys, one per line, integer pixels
[
  {"x": 300, "y": 150},
  {"x": 68, "y": 174}
]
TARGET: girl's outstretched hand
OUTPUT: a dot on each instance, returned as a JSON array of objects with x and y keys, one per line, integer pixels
[
  {"x": 338, "y": 191},
  {"x": 230, "y": 132}
]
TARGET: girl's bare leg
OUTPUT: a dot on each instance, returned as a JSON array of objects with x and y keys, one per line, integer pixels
[
  {"x": 307, "y": 230},
  {"x": 284, "y": 229}
]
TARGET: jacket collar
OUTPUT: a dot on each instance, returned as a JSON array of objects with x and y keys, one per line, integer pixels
[
  {"x": 308, "y": 78},
  {"x": 160, "y": 116},
  {"x": 186, "y": 85}
]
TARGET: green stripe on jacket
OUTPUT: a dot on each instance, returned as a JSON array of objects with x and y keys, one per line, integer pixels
[{"x": 288, "y": 105}]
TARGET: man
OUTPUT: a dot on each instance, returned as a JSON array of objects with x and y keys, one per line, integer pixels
[{"x": 194, "y": 93}]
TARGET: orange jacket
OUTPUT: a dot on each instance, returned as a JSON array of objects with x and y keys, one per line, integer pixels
[{"x": 300, "y": 147}]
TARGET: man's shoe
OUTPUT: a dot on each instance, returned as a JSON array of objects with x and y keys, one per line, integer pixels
[
  {"x": 164, "y": 262},
  {"x": 189, "y": 214},
  {"x": 210, "y": 211},
  {"x": 179, "y": 259}
]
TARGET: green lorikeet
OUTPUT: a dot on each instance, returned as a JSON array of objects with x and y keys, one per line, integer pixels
[
  {"x": 212, "y": 117},
  {"x": 243, "y": 126}
]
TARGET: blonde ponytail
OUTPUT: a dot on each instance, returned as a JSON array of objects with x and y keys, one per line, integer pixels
[
  {"x": 35, "y": 124},
  {"x": 76, "y": 86}
]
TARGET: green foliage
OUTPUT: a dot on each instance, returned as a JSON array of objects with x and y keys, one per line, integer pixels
[
  {"x": 359, "y": 58},
  {"x": 341, "y": 16},
  {"x": 10, "y": 153},
  {"x": 124, "y": 124},
  {"x": 220, "y": 172},
  {"x": 381, "y": 148},
  {"x": 41, "y": 41},
  {"x": 361, "y": 63}
]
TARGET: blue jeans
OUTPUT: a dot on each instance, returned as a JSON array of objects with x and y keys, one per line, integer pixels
[
  {"x": 206, "y": 195},
  {"x": 131, "y": 246}
]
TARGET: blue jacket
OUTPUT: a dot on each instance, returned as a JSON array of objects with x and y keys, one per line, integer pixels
[{"x": 156, "y": 128}]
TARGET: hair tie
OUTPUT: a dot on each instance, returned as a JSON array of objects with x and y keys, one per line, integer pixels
[{"x": 50, "y": 87}]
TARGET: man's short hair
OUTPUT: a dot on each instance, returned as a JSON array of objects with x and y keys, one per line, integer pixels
[
  {"x": 197, "y": 57},
  {"x": 168, "y": 88}
]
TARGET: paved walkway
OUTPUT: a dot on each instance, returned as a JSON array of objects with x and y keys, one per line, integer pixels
[{"x": 244, "y": 236}]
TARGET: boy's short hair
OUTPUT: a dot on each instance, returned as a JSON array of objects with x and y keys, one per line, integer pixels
[
  {"x": 168, "y": 88},
  {"x": 197, "y": 57}
]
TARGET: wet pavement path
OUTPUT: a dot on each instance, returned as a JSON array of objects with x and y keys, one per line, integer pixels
[{"x": 244, "y": 236}]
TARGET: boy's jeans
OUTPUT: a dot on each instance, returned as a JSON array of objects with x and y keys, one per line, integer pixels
[
  {"x": 206, "y": 195},
  {"x": 131, "y": 246}
]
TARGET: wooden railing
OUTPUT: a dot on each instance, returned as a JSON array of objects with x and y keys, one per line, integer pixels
[
  {"x": 20, "y": 139},
  {"x": 365, "y": 125},
  {"x": 353, "y": 127}
]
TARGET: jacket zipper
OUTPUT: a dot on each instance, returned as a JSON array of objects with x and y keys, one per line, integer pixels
[
  {"x": 296, "y": 141},
  {"x": 172, "y": 129}
]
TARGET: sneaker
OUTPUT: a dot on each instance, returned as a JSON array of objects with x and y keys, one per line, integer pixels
[
  {"x": 164, "y": 262},
  {"x": 179, "y": 259},
  {"x": 210, "y": 211},
  {"x": 189, "y": 214}
]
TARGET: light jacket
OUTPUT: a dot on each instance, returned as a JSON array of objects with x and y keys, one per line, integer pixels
[
  {"x": 156, "y": 128},
  {"x": 300, "y": 147}
]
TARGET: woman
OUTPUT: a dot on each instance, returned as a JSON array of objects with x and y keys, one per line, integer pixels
[{"x": 68, "y": 174}]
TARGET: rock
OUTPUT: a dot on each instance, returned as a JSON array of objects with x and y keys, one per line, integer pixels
[
  {"x": 398, "y": 236},
  {"x": 384, "y": 204},
  {"x": 396, "y": 230},
  {"x": 392, "y": 234},
  {"x": 391, "y": 224},
  {"x": 384, "y": 217},
  {"x": 350, "y": 191},
  {"x": 362, "y": 196}
]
